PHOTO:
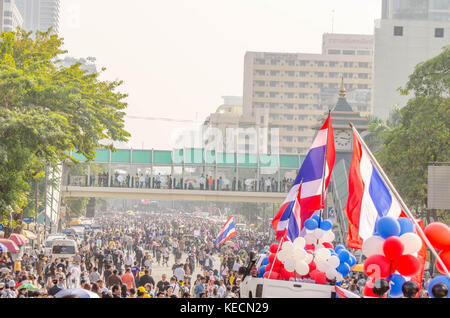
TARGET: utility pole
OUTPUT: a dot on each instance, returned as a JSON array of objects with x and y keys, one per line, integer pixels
[{"x": 45, "y": 202}]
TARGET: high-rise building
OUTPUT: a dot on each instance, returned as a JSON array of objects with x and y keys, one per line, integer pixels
[
  {"x": 289, "y": 91},
  {"x": 10, "y": 17},
  {"x": 39, "y": 14},
  {"x": 408, "y": 33}
]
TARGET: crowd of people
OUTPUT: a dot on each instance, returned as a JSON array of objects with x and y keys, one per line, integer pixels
[
  {"x": 120, "y": 261},
  {"x": 145, "y": 256},
  {"x": 203, "y": 182}
]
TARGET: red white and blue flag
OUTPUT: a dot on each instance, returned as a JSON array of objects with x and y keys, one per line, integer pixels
[
  {"x": 369, "y": 198},
  {"x": 305, "y": 195},
  {"x": 227, "y": 232}
]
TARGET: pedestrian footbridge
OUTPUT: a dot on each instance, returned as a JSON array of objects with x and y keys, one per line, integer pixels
[{"x": 172, "y": 194}]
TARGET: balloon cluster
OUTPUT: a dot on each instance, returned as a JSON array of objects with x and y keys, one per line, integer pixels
[
  {"x": 391, "y": 255},
  {"x": 312, "y": 256},
  {"x": 439, "y": 236}
]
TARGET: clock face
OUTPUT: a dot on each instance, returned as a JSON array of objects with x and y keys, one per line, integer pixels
[{"x": 343, "y": 139}]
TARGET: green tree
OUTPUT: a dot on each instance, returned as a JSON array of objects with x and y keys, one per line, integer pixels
[
  {"x": 47, "y": 110},
  {"x": 423, "y": 132}
]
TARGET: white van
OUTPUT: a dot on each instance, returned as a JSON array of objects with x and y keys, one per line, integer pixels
[
  {"x": 66, "y": 249},
  {"x": 48, "y": 242}
]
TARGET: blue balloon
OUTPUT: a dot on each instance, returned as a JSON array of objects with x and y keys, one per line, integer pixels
[
  {"x": 397, "y": 282},
  {"x": 311, "y": 224},
  {"x": 326, "y": 225},
  {"x": 406, "y": 225},
  {"x": 317, "y": 218},
  {"x": 438, "y": 279},
  {"x": 351, "y": 260},
  {"x": 388, "y": 226},
  {"x": 343, "y": 255},
  {"x": 265, "y": 261},
  {"x": 339, "y": 247},
  {"x": 344, "y": 269}
]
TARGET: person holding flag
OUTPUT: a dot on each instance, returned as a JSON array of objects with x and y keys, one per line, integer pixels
[
  {"x": 227, "y": 232},
  {"x": 307, "y": 193}
]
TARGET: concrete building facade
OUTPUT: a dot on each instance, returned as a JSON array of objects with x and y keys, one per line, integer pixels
[
  {"x": 289, "y": 91},
  {"x": 10, "y": 17},
  {"x": 409, "y": 32},
  {"x": 40, "y": 14}
]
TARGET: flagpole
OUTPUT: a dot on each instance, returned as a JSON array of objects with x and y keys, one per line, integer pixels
[
  {"x": 273, "y": 263},
  {"x": 397, "y": 195},
  {"x": 324, "y": 168}
]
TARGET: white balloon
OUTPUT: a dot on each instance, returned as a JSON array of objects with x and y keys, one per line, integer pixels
[
  {"x": 310, "y": 239},
  {"x": 299, "y": 242},
  {"x": 283, "y": 255},
  {"x": 339, "y": 277},
  {"x": 319, "y": 233},
  {"x": 308, "y": 258},
  {"x": 333, "y": 261},
  {"x": 289, "y": 265},
  {"x": 302, "y": 268},
  {"x": 288, "y": 246},
  {"x": 373, "y": 246},
  {"x": 331, "y": 273},
  {"x": 322, "y": 254},
  {"x": 328, "y": 237},
  {"x": 412, "y": 243},
  {"x": 309, "y": 231},
  {"x": 323, "y": 266},
  {"x": 299, "y": 254}
]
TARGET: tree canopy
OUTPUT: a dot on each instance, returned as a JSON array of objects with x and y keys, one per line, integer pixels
[{"x": 46, "y": 111}]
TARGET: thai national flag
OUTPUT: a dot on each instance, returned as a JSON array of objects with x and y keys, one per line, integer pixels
[
  {"x": 302, "y": 200},
  {"x": 226, "y": 232},
  {"x": 369, "y": 198}
]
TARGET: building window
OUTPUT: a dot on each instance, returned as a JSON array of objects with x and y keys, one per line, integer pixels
[
  {"x": 334, "y": 51},
  {"x": 261, "y": 120},
  {"x": 304, "y": 63},
  {"x": 260, "y": 72},
  {"x": 398, "y": 30},
  {"x": 260, "y": 61},
  {"x": 291, "y": 62},
  {"x": 348, "y": 64},
  {"x": 303, "y": 74},
  {"x": 332, "y": 64},
  {"x": 289, "y": 84},
  {"x": 289, "y": 106},
  {"x": 260, "y": 83},
  {"x": 273, "y": 84},
  {"x": 333, "y": 74},
  {"x": 319, "y": 74},
  {"x": 363, "y": 86},
  {"x": 290, "y": 73},
  {"x": 363, "y": 75},
  {"x": 363, "y": 64},
  {"x": 273, "y": 94},
  {"x": 320, "y": 63},
  {"x": 439, "y": 32},
  {"x": 363, "y": 52},
  {"x": 274, "y": 73},
  {"x": 348, "y": 52}
]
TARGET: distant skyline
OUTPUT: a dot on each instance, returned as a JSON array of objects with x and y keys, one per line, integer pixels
[{"x": 178, "y": 58}]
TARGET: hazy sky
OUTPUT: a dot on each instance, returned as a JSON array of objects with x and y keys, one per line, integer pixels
[{"x": 179, "y": 57}]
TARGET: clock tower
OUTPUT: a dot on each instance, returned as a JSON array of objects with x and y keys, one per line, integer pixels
[{"x": 341, "y": 115}]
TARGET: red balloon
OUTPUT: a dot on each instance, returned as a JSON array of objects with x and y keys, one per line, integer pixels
[
  {"x": 406, "y": 265},
  {"x": 439, "y": 235},
  {"x": 328, "y": 245},
  {"x": 266, "y": 275},
  {"x": 393, "y": 247},
  {"x": 274, "y": 248},
  {"x": 320, "y": 277},
  {"x": 277, "y": 266},
  {"x": 445, "y": 257},
  {"x": 313, "y": 274},
  {"x": 274, "y": 275},
  {"x": 309, "y": 247},
  {"x": 271, "y": 258},
  {"x": 377, "y": 266},
  {"x": 268, "y": 267}
]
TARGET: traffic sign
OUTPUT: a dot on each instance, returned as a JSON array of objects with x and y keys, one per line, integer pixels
[
  {"x": 28, "y": 219},
  {"x": 1, "y": 227}
]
